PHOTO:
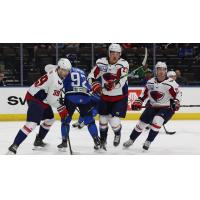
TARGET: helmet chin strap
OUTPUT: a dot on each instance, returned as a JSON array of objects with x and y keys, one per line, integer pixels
[{"x": 59, "y": 74}]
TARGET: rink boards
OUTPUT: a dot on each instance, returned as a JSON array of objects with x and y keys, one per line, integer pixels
[{"x": 14, "y": 107}]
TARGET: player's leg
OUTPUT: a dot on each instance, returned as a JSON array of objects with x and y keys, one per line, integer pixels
[
  {"x": 143, "y": 122},
  {"x": 89, "y": 121},
  {"x": 48, "y": 120},
  {"x": 161, "y": 117},
  {"x": 34, "y": 116},
  {"x": 115, "y": 123},
  {"x": 65, "y": 126},
  {"x": 104, "y": 109},
  {"x": 118, "y": 111}
]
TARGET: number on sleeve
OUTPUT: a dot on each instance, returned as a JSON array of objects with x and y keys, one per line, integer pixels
[{"x": 41, "y": 81}]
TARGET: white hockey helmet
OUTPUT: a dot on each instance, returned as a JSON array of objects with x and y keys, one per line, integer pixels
[
  {"x": 160, "y": 64},
  {"x": 115, "y": 48},
  {"x": 64, "y": 63},
  {"x": 171, "y": 73}
]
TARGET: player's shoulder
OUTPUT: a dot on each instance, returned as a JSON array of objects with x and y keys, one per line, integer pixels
[
  {"x": 151, "y": 81},
  {"x": 171, "y": 82},
  {"x": 102, "y": 61},
  {"x": 122, "y": 62},
  {"x": 78, "y": 70}
]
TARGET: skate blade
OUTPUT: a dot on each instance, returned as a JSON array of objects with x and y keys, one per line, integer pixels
[
  {"x": 125, "y": 148},
  {"x": 144, "y": 151},
  {"x": 9, "y": 153},
  {"x": 62, "y": 149},
  {"x": 38, "y": 148}
]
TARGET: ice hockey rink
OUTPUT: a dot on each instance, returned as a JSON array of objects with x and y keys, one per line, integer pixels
[{"x": 185, "y": 141}]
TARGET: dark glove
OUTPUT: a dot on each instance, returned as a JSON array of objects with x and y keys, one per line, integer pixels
[
  {"x": 110, "y": 85},
  {"x": 175, "y": 105},
  {"x": 137, "y": 104},
  {"x": 62, "y": 101}
]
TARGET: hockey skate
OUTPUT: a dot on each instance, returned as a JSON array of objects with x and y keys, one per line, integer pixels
[
  {"x": 38, "y": 143},
  {"x": 128, "y": 143},
  {"x": 103, "y": 143},
  {"x": 63, "y": 146},
  {"x": 76, "y": 124},
  {"x": 146, "y": 145},
  {"x": 12, "y": 150},
  {"x": 81, "y": 125},
  {"x": 117, "y": 139},
  {"x": 97, "y": 142}
]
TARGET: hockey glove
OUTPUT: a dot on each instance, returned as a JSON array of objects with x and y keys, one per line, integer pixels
[
  {"x": 62, "y": 111},
  {"x": 175, "y": 105},
  {"x": 96, "y": 87},
  {"x": 137, "y": 104},
  {"x": 110, "y": 85}
]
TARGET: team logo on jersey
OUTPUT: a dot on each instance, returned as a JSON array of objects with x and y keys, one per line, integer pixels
[
  {"x": 56, "y": 93},
  {"x": 103, "y": 67},
  {"x": 156, "y": 95},
  {"x": 109, "y": 77},
  {"x": 60, "y": 83}
]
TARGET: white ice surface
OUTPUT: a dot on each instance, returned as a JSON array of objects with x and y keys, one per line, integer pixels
[{"x": 185, "y": 141}]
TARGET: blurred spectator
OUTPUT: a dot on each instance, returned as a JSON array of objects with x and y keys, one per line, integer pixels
[
  {"x": 148, "y": 76},
  {"x": 46, "y": 46},
  {"x": 186, "y": 50},
  {"x": 179, "y": 79},
  {"x": 171, "y": 74},
  {"x": 2, "y": 82},
  {"x": 127, "y": 45}
]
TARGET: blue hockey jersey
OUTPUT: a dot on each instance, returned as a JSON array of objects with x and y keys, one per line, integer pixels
[{"x": 77, "y": 88}]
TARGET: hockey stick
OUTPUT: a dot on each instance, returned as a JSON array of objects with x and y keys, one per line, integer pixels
[
  {"x": 181, "y": 106},
  {"x": 168, "y": 132},
  {"x": 189, "y": 106},
  {"x": 70, "y": 147}
]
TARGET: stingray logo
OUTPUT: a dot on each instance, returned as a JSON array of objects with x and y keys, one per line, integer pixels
[
  {"x": 157, "y": 96},
  {"x": 109, "y": 77}
]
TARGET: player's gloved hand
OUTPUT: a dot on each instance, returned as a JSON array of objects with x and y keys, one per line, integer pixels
[
  {"x": 96, "y": 87},
  {"x": 62, "y": 111},
  {"x": 62, "y": 101},
  {"x": 109, "y": 85},
  {"x": 137, "y": 104},
  {"x": 175, "y": 105}
]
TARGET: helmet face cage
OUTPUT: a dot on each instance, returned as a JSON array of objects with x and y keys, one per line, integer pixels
[
  {"x": 160, "y": 65},
  {"x": 114, "y": 48}
]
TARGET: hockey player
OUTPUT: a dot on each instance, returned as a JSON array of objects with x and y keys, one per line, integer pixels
[
  {"x": 41, "y": 97},
  {"x": 106, "y": 80},
  {"x": 164, "y": 99},
  {"x": 78, "y": 95},
  {"x": 171, "y": 74}
]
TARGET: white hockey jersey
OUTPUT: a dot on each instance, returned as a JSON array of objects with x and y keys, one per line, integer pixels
[
  {"x": 47, "y": 89},
  {"x": 160, "y": 93},
  {"x": 107, "y": 72}
]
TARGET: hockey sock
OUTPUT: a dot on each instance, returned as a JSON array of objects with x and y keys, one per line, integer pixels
[
  {"x": 42, "y": 132},
  {"x": 152, "y": 135},
  {"x": 118, "y": 132},
  {"x": 65, "y": 128},
  {"x": 104, "y": 134},
  {"x": 20, "y": 137},
  {"x": 80, "y": 120},
  {"x": 92, "y": 128},
  {"x": 134, "y": 134}
]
